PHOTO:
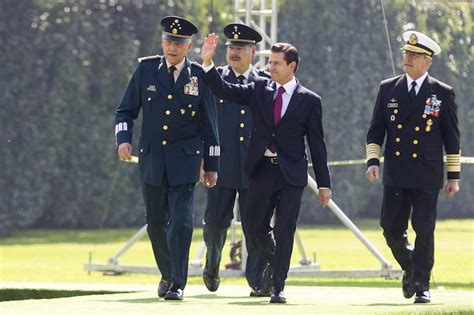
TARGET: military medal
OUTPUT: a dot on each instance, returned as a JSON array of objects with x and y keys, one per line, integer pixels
[{"x": 192, "y": 87}]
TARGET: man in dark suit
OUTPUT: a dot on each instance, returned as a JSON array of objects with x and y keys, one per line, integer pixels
[
  {"x": 235, "y": 127},
  {"x": 419, "y": 116},
  {"x": 179, "y": 129},
  {"x": 284, "y": 114}
]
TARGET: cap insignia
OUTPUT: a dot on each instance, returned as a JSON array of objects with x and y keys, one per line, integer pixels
[{"x": 413, "y": 40}]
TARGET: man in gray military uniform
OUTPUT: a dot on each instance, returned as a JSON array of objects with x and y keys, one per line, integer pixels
[
  {"x": 179, "y": 129},
  {"x": 235, "y": 127}
]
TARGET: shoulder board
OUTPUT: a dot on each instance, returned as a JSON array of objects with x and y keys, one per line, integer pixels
[
  {"x": 263, "y": 73},
  {"x": 142, "y": 59},
  {"x": 198, "y": 65}
]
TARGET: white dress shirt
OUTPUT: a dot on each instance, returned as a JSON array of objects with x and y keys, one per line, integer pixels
[
  {"x": 418, "y": 81},
  {"x": 179, "y": 67}
]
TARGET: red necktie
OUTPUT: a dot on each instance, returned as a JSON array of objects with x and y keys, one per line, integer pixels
[{"x": 277, "y": 106}]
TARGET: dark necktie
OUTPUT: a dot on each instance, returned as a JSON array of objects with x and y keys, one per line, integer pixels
[
  {"x": 172, "y": 69},
  {"x": 277, "y": 106},
  {"x": 412, "y": 91},
  {"x": 241, "y": 79}
]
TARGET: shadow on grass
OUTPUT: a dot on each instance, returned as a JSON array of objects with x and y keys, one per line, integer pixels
[{"x": 37, "y": 294}]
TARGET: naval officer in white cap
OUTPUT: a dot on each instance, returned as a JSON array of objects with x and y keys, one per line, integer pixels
[{"x": 418, "y": 115}]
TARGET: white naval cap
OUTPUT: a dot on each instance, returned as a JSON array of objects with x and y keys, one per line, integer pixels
[{"x": 420, "y": 43}]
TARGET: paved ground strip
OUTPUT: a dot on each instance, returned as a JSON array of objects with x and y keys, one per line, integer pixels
[{"x": 233, "y": 299}]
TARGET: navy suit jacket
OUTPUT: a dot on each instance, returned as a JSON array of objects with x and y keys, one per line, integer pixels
[{"x": 302, "y": 118}]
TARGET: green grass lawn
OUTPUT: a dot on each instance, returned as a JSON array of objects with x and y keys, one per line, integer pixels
[{"x": 59, "y": 255}]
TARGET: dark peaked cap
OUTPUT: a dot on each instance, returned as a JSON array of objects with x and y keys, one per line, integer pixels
[
  {"x": 178, "y": 29},
  {"x": 241, "y": 35}
]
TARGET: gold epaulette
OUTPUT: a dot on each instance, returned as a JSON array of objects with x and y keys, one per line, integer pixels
[
  {"x": 372, "y": 151},
  {"x": 141, "y": 59},
  {"x": 453, "y": 162}
]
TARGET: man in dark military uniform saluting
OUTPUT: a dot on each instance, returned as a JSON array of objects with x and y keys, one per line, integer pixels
[
  {"x": 235, "y": 127},
  {"x": 179, "y": 129},
  {"x": 419, "y": 116}
]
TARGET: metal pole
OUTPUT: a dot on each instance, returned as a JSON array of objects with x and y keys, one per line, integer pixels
[
  {"x": 347, "y": 222},
  {"x": 129, "y": 244}
]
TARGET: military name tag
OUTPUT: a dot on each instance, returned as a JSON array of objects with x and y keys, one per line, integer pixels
[
  {"x": 151, "y": 88},
  {"x": 192, "y": 87}
]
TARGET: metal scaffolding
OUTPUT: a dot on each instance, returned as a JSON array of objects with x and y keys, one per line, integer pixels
[{"x": 263, "y": 16}]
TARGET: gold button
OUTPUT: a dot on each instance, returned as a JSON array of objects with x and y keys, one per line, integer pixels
[
  {"x": 183, "y": 111},
  {"x": 141, "y": 150},
  {"x": 190, "y": 105},
  {"x": 414, "y": 155},
  {"x": 415, "y": 141},
  {"x": 417, "y": 128},
  {"x": 395, "y": 111},
  {"x": 399, "y": 126},
  {"x": 165, "y": 127},
  {"x": 222, "y": 101},
  {"x": 428, "y": 128},
  {"x": 429, "y": 122},
  {"x": 149, "y": 99},
  {"x": 242, "y": 125},
  {"x": 397, "y": 139},
  {"x": 168, "y": 112},
  {"x": 242, "y": 112},
  {"x": 164, "y": 142},
  {"x": 424, "y": 116},
  {"x": 397, "y": 153},
  {"x": 170, "y": 97},
  {"x": 242, "y": 139}
]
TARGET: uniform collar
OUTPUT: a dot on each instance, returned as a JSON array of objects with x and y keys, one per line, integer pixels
[
  {"x": 178, "y": 67},
  {"x": 418, "y": 81},
  {"x": 289, "y": 86},
  {"x": 246, "y": 74}
]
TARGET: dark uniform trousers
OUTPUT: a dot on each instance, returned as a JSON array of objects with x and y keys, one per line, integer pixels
[
  {"x": 169, "y": 216},
  {"x": 268, "y": 191},
  {"x": 235, "y": 127},
  {"x": 397, "y": 206}
]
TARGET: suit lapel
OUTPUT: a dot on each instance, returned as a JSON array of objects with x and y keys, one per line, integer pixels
[
  {"x": 268, "y": 102},
  {"x": 402, "y": 97},
  {"x": 296, "y": 98},
  {"x": 183, "y": 76},
  {"x": 229, "y": 75},
  {"x": 162, "y": 73},
  {"x": 417, "y": 105}
]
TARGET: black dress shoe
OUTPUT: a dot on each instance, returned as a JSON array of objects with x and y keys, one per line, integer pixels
[
  {"x": 211, "y": 280},
  {"x": 259, "y": 293},
  {"x": 266, "y": 282},
  {"x": 163, "y": 287},
  {"x": 408, "y": 286},
  {"x": 174, "y": 293},
  {"x": 423, "y": 297},
  {"x": 277, "y": 297}
]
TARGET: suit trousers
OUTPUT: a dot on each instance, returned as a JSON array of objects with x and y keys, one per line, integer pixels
[
  {"x": 169, "y": 215},
  {"x": 217, "y": 219},
  {"x": 269, "y": 193},
  {"x": 398, "y": 204}
]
